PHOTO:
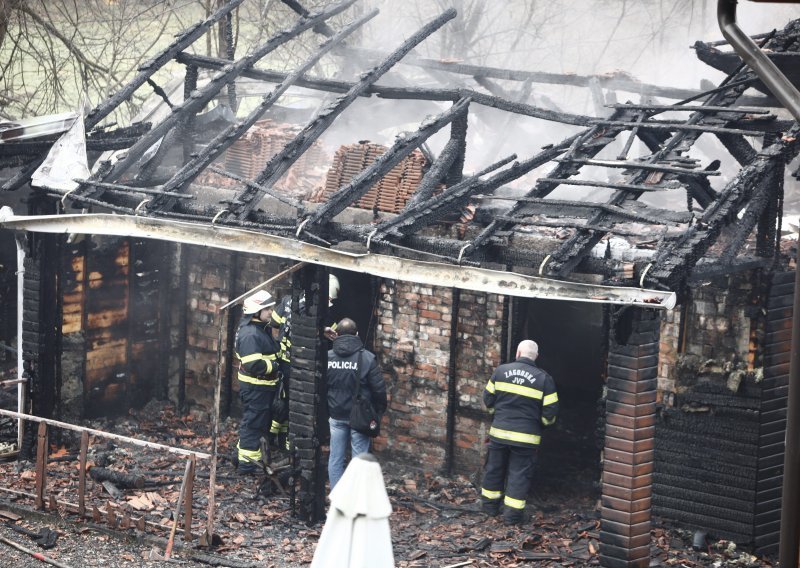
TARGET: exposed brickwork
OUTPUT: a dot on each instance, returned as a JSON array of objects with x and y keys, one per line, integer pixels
[
  {"x": 413, "y": 346},
  {"x": 210, "y": 279}
]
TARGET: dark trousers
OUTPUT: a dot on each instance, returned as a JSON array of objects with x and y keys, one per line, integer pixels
[
  {"x": 507, "y": 479},
  {"x": 256, "y": 417}
]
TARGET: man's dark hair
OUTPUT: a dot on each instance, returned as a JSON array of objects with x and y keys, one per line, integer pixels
[{"x": 347, "y": 327}]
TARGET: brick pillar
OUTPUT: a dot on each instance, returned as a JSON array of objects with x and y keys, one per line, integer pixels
[
  {"x": 630, "y": 427},
  {"x": 308, "y": 427}
]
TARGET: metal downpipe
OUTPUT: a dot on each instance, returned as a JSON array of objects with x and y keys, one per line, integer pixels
[
  {"x": 18, "y": 238},
  {"x": 751, "y": 54},
  {"x": 788, "y": 95}
]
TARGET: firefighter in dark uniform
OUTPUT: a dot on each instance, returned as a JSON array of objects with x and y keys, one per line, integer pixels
[
  {"x": 257, "y": 352},
  {"x": 523, "y": 399}
]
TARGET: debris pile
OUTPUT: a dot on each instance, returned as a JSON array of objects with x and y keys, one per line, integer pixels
[{"x": 436, "y": 520}]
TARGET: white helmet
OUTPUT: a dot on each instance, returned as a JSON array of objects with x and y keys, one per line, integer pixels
[
  {"x": 333, "y": 287},
  {"x": 257, "y": 302}
]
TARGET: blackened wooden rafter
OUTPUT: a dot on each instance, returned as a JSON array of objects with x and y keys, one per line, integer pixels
[
  {"x": 202, "y": 97},
  {"x": 283, "y": 160},
  {"x": 361, "y": 183},
  {"x": 222, "y": 141},
  {"x": 396, "y": 93},
  {"x": 672, "y": 264},
  {"x": 182, "y": 41},
  {"x": 569, "y": 255}
]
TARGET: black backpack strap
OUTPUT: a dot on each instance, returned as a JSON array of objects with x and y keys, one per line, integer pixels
[{"x": 357, "y": 388}]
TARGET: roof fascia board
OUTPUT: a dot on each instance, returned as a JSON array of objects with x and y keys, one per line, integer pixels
[{"x": 417, "y": 271}]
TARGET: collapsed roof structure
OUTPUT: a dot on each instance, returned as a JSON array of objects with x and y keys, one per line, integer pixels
[
  {"x": 552, "y": 240},
  {"x": 142, "y": 181}
]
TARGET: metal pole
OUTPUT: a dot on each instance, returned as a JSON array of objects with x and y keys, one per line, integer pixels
[{"x": 20, "y": 292}]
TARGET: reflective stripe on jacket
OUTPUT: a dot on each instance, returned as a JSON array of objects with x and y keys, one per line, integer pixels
[
  {"x": 257, "y": 352},
  {"x": 523, "y": 399}
]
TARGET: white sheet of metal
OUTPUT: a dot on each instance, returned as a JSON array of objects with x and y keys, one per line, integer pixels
[{"x": 417, "y": 271}]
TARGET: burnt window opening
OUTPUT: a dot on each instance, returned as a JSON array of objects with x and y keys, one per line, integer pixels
[{"x": 572, "y": 348}]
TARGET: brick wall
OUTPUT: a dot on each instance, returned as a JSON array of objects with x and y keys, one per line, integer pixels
[
  {"x": 413, "y": 346},
  {"x": 214, "y": 278}
]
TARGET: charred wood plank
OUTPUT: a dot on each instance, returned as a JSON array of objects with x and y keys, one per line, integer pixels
[
  {"x": 201, "y": 98},
  {"x": 573, "y": 224},
  {"x": 120, "y": 478},
  {"x": 441, "y": 165},
  {"x": 739, "y": 148},
  {"x": 398, "y": 93},
  {"x": 404, "y": 145},
  {"x": 227, "y": 137},
  {"x": 677, "y": 126},
  {"x": 652, "y": 167},
  {"x": 147, "y": 69},
  {"x": 564, "y": 208},
  {"x": 267, "y": 190},
  {"x": 283, "y": 160},
  {"x": 621, "y": 186},
  {"x": 691, "y": 108},
  {"x": 770, "y": 189}
]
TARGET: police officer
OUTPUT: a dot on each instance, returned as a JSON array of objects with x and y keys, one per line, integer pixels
[
  {"x": 257, "y": 352},
  {"x": 523, "y": 399}
]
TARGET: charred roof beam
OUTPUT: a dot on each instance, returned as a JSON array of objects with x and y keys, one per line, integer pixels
[
  {"x": 283, "y": 160},
  {"x": 222, "y": 141},
  {"x": 229, "y": 73},
  {"x": 673, "y": 263},
  {"x": 395, "y": 93},
  {"x": 451, "y": 157},
  {"x": 147, "y": 69},
  {"x": 358, "y": 187},
  {"x": 569, "y": 255}
]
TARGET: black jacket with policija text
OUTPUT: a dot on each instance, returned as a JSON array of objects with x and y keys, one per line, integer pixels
[
  {"x": 342, "y": 372},
  {"x": 257, "y": 352},
  {"x": 523, "y": 399}
]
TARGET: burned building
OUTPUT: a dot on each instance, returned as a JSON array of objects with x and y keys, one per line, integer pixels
[{"x": 660, "y": 290}]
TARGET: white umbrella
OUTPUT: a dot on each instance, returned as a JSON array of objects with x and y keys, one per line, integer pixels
[{"x": 357, "y": 533}]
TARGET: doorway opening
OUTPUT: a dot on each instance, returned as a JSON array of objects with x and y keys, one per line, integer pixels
[{"x": 573, "y": 349}]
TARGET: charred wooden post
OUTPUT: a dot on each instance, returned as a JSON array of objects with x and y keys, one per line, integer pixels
[
  {"x": 187, "y": 503},
  {"x": 147, "y": 70},
  {"x": 186, "y": 124},
  {"x": 41, "y": 317},
  {"x": 221, "y": 142},
  {"x": 201, "y": 98},
  {"x": 367, "y": 178},
  {"x": 308, "y": 428},
  {"x": 673, "y": 262},
  {"x": 443, "y": 164},
  {"x": 283, "y": 160},
  {"x": 630, "y": 428}
]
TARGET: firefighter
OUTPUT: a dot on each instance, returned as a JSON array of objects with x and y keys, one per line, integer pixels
[
  {"x": 282, "y": 321},
  {"x": 523, "y": 400},
  {"x": 257, "y": 352}
]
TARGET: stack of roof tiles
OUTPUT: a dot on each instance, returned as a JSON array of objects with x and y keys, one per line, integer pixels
[
  {"x": 247, "y": 157},
  {"x": 391, "y": 193}
]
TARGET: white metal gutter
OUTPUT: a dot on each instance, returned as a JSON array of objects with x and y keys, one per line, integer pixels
[{"x": 417, "y": 271}]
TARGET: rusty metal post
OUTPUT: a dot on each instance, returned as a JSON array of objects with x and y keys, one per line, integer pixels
[
  {"x": 82, "y": 474},
  {"x": 187, "y": 510},
  {"x": 41, "y": 464}
]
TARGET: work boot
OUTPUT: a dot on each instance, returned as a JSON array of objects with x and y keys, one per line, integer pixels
[
  {"x": 490, "y": 509},
  {"x": 514, "y": 519}
]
